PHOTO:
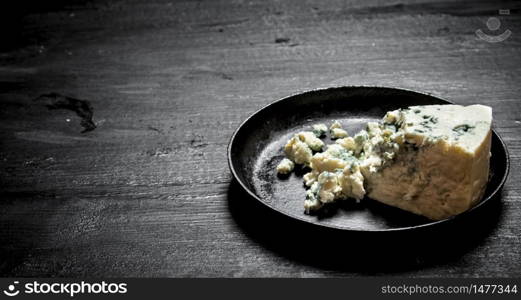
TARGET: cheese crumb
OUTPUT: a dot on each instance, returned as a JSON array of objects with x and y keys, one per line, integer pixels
[
  {"x": 285, "y": 166},
  {"x": 348, "y": 143},
  {"x": 298, "y": 151},
  {"x": 311, "y": 140},
  {"x": 319, "y": 129},
  {"x": 337, "y": 133},
  {"x": 335, "y": 124}
]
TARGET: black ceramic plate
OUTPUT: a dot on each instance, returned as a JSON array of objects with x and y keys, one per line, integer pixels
[{"x": 256, "y": 148}]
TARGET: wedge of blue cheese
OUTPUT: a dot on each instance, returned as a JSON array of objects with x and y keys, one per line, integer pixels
[
  {"x": 441, "y": 167},
  {"x": 430, "y": 160}
]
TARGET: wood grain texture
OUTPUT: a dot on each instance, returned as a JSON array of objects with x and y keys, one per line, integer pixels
[{"x": 148, "y": 192}]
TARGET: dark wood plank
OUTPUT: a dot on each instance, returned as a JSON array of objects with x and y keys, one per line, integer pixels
[{"x": 148, "y": 192}]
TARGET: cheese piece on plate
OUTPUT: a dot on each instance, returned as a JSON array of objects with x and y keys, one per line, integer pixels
[
  {"x": 285, "y": 166},
  {"x": 431, "y": 160},
  {"x": 313, "y": 142},
  {"x": 336, "y": 131},
  {"x": 442, "y": 165},
  {"x": 319, "y": 129},
  {"x": 298, "y": 151}
]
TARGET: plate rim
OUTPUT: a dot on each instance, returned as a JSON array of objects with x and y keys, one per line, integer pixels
[{"x": 337, "y": 227}]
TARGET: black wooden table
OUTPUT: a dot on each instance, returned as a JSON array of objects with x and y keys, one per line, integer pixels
[{"x": 115, "y": 118}]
